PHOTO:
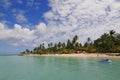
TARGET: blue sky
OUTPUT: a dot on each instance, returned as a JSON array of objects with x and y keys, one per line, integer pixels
[
  {"x": 27, "y": 23},
  {"x": 31, "y": 10}
]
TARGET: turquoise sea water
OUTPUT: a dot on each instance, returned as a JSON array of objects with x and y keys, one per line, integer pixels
[{"x": 57, "y": 68}]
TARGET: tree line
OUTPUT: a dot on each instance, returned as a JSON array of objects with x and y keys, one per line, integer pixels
[{"x": 106, "y": 43}]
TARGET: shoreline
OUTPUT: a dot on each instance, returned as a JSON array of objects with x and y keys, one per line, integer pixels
[{"x": 94, "y": 55}]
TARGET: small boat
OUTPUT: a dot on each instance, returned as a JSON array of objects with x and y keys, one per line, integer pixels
[{"x": 106, "y": 61}]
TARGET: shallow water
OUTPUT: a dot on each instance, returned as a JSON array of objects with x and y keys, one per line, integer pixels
[{"x": 57, "y": 68}]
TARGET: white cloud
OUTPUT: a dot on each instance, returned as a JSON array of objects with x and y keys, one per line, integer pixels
[
  {"x": 1, "y": 26},
  {"x": 85, "y": 18},
  {"x": 17, "y": 36},
  {"x": 19, "y": 15},
  {"x": 20, "y": 36},
  {"x": 49, "y": 15},
  {"x": 21, "y": 18},
  {"x": 33, "y": 4},
  {"x": 41, "y": 28}
]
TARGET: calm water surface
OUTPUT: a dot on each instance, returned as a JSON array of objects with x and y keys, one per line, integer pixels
[{"x": 57, "y": 68}]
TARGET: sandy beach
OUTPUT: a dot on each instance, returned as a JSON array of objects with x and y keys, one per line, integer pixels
[{"x": 77, "y": 55}]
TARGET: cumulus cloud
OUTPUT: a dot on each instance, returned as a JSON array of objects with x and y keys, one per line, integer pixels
[
  {"x": 40, "y": 28},
  {"x": 17, "y": 36},
  {"x": 21, "y": 36}
]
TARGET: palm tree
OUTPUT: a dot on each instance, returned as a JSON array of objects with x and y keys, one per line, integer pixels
[
  {"x": 75, "y": 38},
  {"x": 55, "y": 47},
  {"x": 69, "y": 44},
  {"x": 27, "y": 51},
  {"x": 49, "y": 45},
  {"x": 112, "y": 38},
  {"x": 63, "y": 45},
  {"x": 112, "y": 32},
  {"x": 59, "y": 45},
  {"x": 88, "y": 40},
  {"x": 77, "y": 45}
]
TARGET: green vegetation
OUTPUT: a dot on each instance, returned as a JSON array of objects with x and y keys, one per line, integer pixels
[{"x": 107, "y": 43}]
